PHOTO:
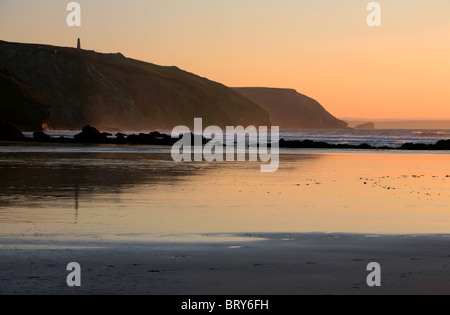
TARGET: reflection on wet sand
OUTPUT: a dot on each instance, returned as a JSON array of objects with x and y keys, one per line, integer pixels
[
  {"x": 38, "y": 188},
  {"x": 77, "y": 189},
  {"x": 134, "y": 195},
  {"x": 35, "y": 177}
]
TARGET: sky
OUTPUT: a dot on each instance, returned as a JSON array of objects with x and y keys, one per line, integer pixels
[{"x": 321, "y": 48}]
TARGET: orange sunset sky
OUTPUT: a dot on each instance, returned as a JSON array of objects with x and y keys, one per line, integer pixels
[{"x": 321, "y": 48}]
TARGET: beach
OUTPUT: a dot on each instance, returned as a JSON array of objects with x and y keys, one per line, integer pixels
[
  {"x": 139, "y": 223},
  {"x": 233, "y": 148},
  {"x": 270, "y": 264}
]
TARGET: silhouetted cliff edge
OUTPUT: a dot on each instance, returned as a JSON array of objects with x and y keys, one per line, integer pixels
[
  {"x": 292, "y": 110},
  {"x": 109, "y": 90}
]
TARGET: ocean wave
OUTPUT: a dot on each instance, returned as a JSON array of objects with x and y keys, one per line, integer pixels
[{"x": 431, "y": 134}]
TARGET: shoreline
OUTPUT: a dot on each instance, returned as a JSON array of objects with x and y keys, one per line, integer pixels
[
  {"x": 91, "y": 135},
  {"x": 157, "y": 139},
  {"x": 267, "y": 264}
]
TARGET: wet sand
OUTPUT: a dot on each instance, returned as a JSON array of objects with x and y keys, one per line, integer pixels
[
  {"x": 138, "y": 223},
  {"x": 278, "y": 265}
]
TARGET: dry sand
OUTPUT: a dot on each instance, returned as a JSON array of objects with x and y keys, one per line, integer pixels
[{"x": 271, "y": 264}]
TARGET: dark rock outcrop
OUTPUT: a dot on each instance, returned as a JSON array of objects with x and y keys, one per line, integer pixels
[
  {"x": 10, "y": 133},
  {"x": 292, "y": 110},
  {"x": 21, "y": 104},
  {"x": 110, "y": 90},
  {"x": 40, "y": 136},
  {"x": 440, "y": 145},
  {"x": 90, "y": 135},
  {"x": 309, "y": 144}
]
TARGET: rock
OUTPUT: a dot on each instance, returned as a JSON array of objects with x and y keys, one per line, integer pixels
[
  {"x": 155, "y": 138},
  {"x": 90, "y": 135},
  {"x": 366, "y": 126},
  {"x": 417, "y": 146},
  {"x": 63, "y": 140},
  {"x": 120, "y": 138},
  {"x": 133, "y": 139},
  {"x": 40, "y": 136},
  {"x": 365, "y": 146},
  {"x": 155, "y": 134},
  {"x": 10, "y": 133},
  {"x": 442, "y": 145}
]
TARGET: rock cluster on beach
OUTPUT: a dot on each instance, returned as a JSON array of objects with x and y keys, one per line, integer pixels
[
  {"x": 309, "y": 144},
  {"x": 91, "y": 135},
  {"x": 440, "y": 145}
]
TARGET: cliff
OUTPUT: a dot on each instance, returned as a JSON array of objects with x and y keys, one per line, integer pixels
[
  {"x": 110, "y": 90},
  {"x": 366, "y": 126},
  {"x": 292, "y": 110},
  {"x": 21, "y": 104}
]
